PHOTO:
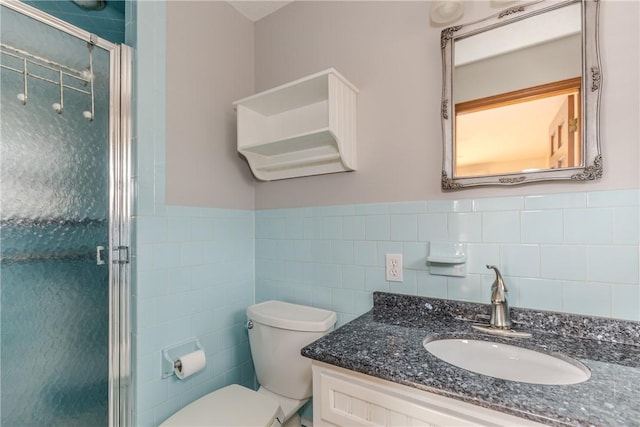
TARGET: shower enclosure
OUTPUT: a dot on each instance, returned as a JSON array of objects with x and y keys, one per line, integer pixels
[{"x": 64, "y": 217}]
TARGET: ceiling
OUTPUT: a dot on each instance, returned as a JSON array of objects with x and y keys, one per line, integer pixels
[{"x": 256, "y": 10}]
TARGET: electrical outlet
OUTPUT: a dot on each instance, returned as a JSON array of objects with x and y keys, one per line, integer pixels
[{"x": 393, "y": 267}]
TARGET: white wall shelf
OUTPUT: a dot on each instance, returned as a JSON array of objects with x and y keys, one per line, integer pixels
[{"x": 306, "y": 127}]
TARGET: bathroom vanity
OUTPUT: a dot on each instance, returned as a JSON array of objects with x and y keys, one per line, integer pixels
[
  {"x": 346, "y": 398},
  {"x": 375, "y": 370}
]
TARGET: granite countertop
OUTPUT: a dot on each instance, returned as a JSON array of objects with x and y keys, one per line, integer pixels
[{"x": 387, "y": 341}]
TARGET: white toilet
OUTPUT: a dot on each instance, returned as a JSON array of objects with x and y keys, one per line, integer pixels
[{"x": 277, "y": 332}]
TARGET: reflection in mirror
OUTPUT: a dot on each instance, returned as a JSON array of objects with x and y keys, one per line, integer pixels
[
  {"x": 522, "y": 131},
  {"x": 519, "y": 110}
]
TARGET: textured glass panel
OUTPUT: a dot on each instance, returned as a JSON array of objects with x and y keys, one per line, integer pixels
[
  {"x": 54, "y": 343},
  {"x": 54, "y": 189}
]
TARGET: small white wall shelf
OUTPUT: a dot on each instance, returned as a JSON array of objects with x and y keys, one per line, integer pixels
[{"x": 306, "y": 127}]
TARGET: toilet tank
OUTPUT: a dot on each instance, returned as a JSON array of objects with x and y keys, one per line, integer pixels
[{"x": 277, "y": 332}]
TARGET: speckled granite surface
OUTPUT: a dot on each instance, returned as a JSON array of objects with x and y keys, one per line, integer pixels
[{"x": 387, "y": 343}]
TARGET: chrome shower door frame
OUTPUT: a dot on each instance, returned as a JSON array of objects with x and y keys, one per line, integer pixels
[{"x": 120, "y": 209}]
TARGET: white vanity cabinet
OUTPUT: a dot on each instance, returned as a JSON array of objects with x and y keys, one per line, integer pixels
[
  {"x": 306, "y": 127},
  {"x": 346, "y": 398}
]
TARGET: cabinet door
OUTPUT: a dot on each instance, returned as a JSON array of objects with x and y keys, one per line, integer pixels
[{"x": 342, "y": 398}]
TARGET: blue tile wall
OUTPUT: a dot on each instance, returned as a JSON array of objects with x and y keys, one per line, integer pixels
[
  {"x": 194, "y": 275},
  {"x": 575, "y": 252},
  {"x": 194, "y": 279}
]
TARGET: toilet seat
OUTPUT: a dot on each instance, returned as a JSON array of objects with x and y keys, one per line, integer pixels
[{"x": 229, "y": 406}]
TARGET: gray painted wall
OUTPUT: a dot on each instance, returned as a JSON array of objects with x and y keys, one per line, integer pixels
[
  {"x": 392, "y": 54},
  {"x": 513, "y": 70},
  {"x": 210, "y": 64}
]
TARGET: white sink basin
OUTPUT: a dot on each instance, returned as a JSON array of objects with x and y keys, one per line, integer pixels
[{"x": 508, "y": 362}]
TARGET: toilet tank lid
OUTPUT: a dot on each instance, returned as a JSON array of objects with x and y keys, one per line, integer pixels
[{"x": 293, "y": 317}]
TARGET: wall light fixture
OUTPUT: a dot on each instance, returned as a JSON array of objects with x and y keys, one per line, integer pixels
[{"x": 446, "y": 11}]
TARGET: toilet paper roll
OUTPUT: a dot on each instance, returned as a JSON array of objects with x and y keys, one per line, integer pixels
[{"x": 190, "y": 363}]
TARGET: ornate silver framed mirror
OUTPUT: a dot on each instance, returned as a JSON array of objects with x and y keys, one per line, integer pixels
[{"x": 521, "y": 95}]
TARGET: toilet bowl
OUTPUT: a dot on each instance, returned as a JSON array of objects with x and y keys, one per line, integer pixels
[{"x": 277, "y": 332}]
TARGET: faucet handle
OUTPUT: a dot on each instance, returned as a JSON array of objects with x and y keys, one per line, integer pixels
[
  {"x": 499, "y": 289},
  {"x": 500, "y": 317}
]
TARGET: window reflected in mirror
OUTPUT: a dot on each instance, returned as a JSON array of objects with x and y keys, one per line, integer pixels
[{"x": 526, "y": 130}]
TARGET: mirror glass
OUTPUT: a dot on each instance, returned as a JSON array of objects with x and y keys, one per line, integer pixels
[{"x": 515, "y": 109}]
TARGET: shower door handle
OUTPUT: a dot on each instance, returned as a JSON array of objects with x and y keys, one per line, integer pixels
[{"x": 100, "y": 255}]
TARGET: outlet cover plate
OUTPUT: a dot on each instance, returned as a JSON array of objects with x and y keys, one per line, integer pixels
[{"x": 393, "y": 267}]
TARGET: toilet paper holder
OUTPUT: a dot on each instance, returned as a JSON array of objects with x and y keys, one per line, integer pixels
[{"x": 171, "y": 354}]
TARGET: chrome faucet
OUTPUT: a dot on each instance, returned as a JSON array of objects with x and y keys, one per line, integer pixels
[{"x": 499, "y": 306}]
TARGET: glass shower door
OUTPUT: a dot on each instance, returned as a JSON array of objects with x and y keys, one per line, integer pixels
[{"x": 56, "y": 200}]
